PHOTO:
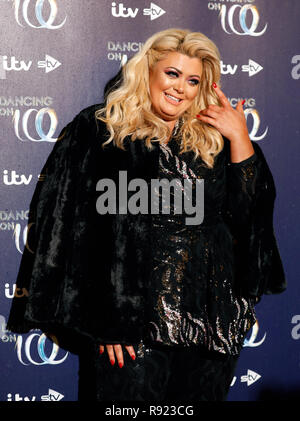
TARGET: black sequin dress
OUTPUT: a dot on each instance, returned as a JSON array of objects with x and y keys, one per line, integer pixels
[{"x": 192, "y": 299}]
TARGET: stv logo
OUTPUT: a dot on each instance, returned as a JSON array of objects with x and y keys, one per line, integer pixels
[{"x": 250, "y": 378}]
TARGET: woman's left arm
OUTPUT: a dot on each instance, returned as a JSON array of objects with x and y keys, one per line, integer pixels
[
  {"x": 249, "y": 204},
  {"x": 244, "y": 167}
]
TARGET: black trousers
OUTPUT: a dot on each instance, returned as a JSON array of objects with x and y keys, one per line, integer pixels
[{"x": 159, "y": 373}]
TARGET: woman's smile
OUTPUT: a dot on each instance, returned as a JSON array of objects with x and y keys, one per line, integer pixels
[{"x": 172, "y": 99}]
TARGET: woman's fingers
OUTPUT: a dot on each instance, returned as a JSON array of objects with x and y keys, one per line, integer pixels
[
  {"x": 210, "y": 115},
  {"x": 221, "y": 95},
  {"x": 111, "y": 354},
  {"x": 119, "y": 355},
  {"x": 115, "y": 352},
  {"x": 131, "y": 351},
  {"x": 224, "y": 99},
  {"x": 239, "y": 106},
  {"x": 207, "y": 120},
  {"x": 212, "y": 111},
  {"x": 230, "y": 122}
]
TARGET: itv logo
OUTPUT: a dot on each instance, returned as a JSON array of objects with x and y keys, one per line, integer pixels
[{"x": 52, "y": 395}]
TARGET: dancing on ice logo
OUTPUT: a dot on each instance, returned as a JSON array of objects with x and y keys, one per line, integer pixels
[
  {"x": 21, "y": 9},
  {"x": 250, "y": 342},
  {"x": 22, "y": 122},
  {"x": 238, "y": 19}
]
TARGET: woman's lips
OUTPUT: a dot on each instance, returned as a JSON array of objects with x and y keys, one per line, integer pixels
[{"x": 172, "y": 99}]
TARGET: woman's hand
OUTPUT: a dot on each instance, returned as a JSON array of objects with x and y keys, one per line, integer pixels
[
  {"x": 117, "y": 349},
  {"x": 231, "y": 123}
]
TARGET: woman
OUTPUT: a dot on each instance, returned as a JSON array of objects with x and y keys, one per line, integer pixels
[{"x": 169, "y": 302}]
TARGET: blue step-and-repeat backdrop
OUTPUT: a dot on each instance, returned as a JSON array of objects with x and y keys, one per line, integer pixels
[{"x": 55, "y": 59}]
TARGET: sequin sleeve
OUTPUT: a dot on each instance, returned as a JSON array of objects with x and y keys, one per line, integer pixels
[
  {"x": 249, "y": 207},
  {"x": 242, "y": 184}
]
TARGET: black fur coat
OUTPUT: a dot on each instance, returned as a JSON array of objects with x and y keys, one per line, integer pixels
[{"x": 86, "y": 273}]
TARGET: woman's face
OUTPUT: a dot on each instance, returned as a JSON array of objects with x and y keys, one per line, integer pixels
[{"x": 174, "y": 83}]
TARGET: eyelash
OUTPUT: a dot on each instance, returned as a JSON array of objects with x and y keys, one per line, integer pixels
[{"x": 195, "y": 82}]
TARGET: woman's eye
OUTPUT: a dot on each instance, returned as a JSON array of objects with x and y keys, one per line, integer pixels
[
  {"x": 171, "y": 73},
  {"x": 174, "y": 74}
]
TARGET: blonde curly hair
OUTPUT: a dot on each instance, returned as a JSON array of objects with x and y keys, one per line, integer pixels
[{"x": 127, "y": 111}]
